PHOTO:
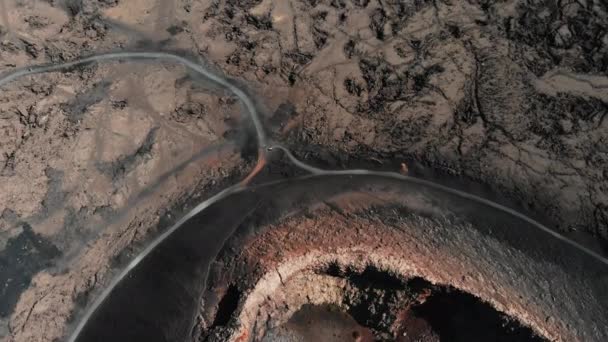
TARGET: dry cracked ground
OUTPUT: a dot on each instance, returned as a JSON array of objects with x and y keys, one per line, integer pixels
[{"x": 512, "y": 95}]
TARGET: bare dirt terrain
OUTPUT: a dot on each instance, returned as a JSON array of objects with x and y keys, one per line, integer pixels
[{"x": 511, "y": 95}]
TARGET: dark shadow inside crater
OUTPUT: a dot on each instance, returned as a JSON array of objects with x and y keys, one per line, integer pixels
[
  {"x": 378, "y": 306},
  {"x": 458, "y": 316}
]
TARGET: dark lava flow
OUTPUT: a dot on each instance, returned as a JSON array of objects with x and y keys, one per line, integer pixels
[{"x": 24, "y": 256}]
